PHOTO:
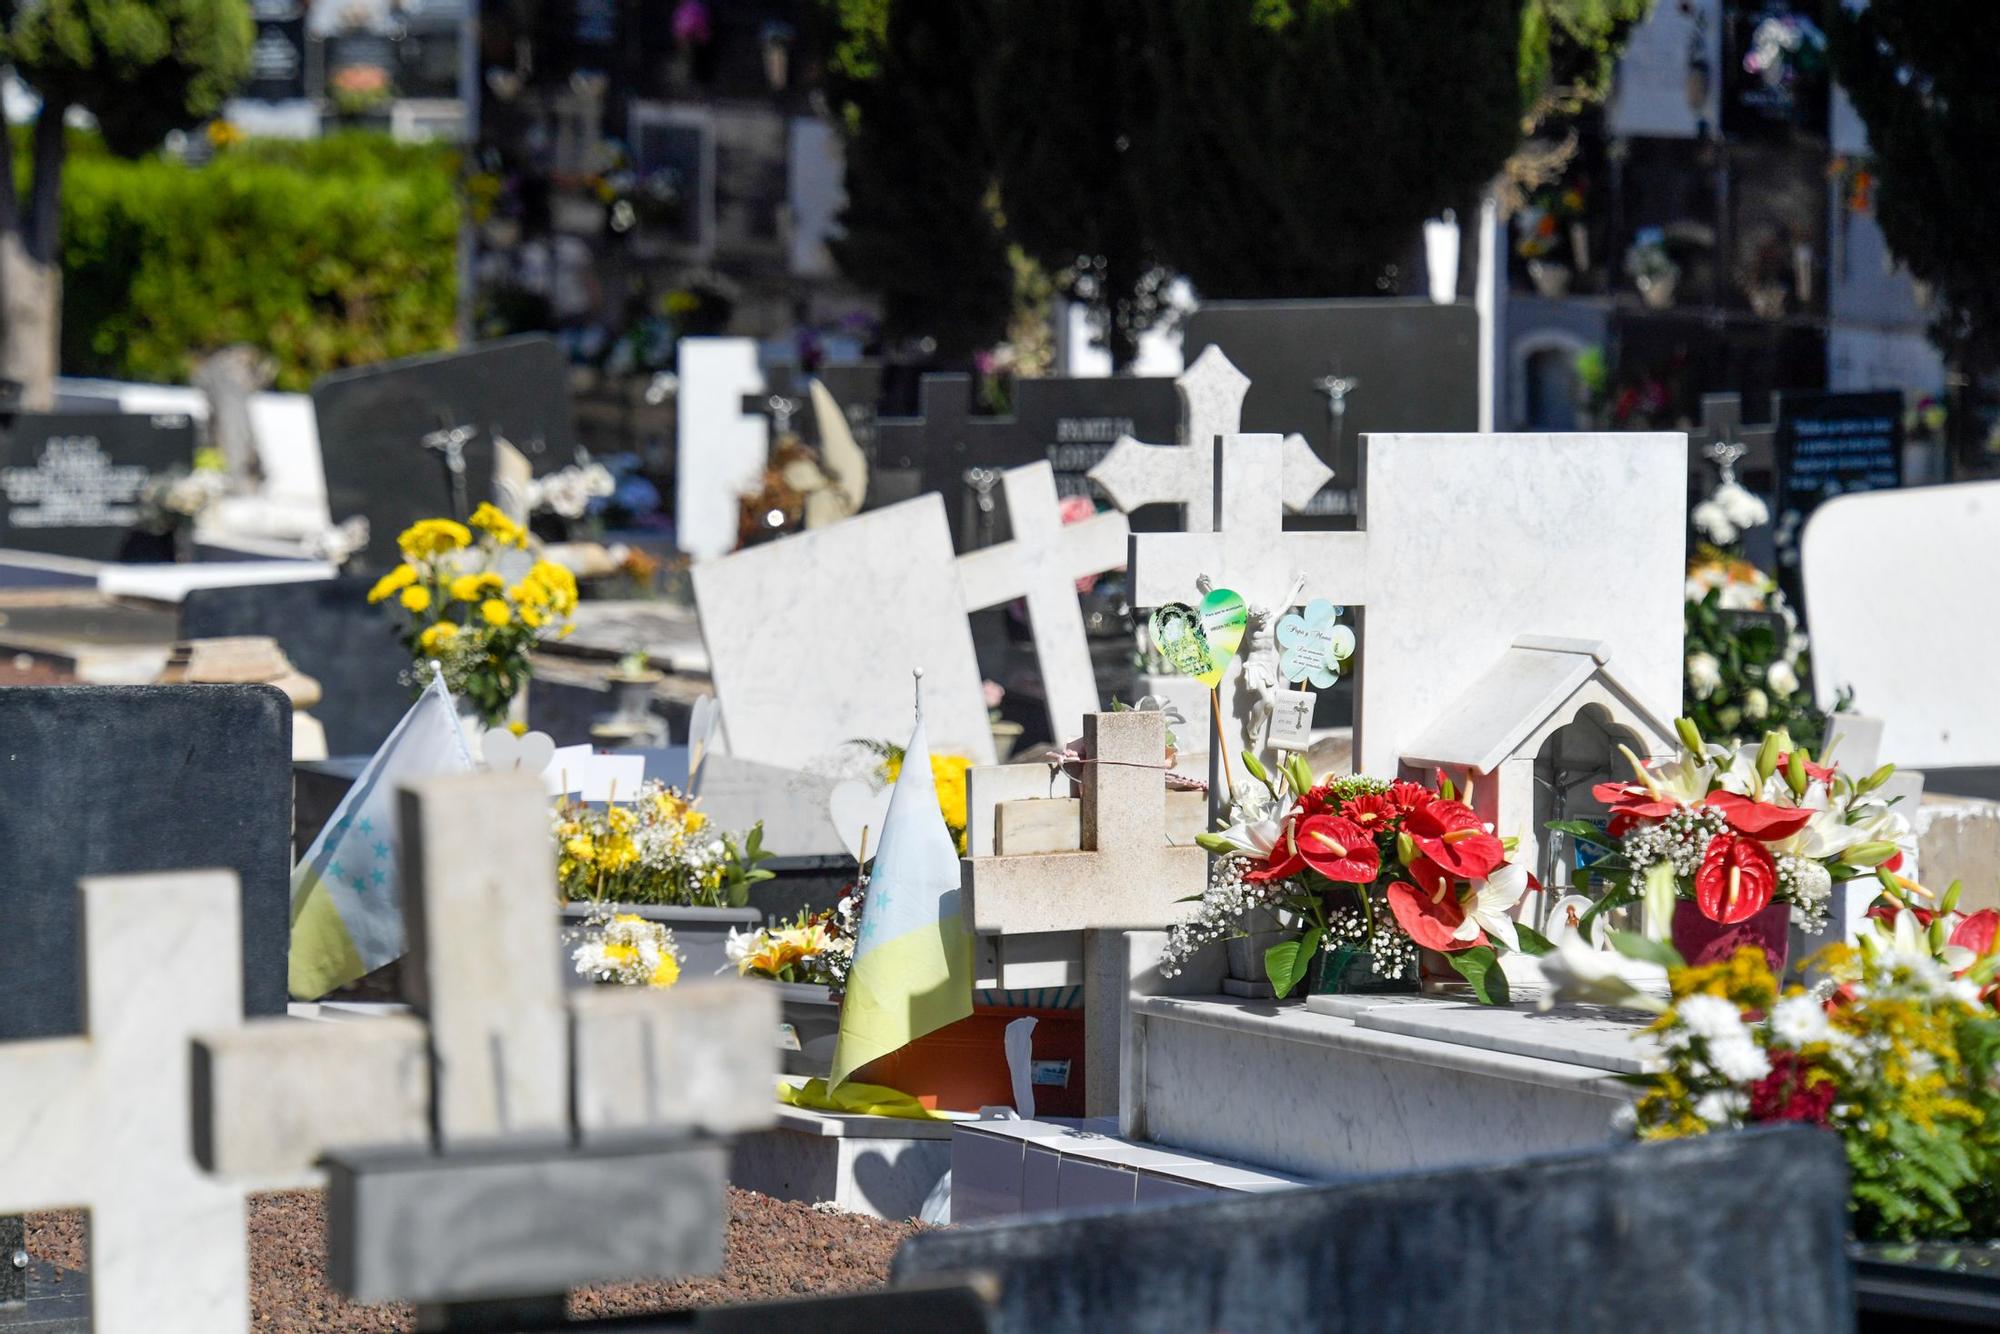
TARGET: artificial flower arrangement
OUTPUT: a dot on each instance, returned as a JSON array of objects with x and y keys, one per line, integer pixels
[
  {"x": 1373, "y": 870},
  {"x": 815, "y": 948},
  {"x": 1725, "y": 836},
  {"x": 1895, "y": 1046},
  {"x": 947, "y": 771},
  {"x": 473, "y": 600},
  {"x": 657, "y": 849},
  {"x": 179, "y": 496},
  {"x": 624, "y": 949}
]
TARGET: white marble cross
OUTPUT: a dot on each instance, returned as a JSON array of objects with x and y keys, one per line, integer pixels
[
  {"x": 1126, "y": 876},
  {"x": 1249, "y": 552},
  {"x": 1042, "y": 563},
  {"x": 1212, "y": 392}
]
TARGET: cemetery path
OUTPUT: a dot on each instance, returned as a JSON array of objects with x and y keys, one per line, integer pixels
[{"x": 775, "y": 1249}]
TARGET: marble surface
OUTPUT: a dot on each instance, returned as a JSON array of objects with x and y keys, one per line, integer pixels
[
  {"x": 1597, "y": 1036},
  {"x": 1905, "y": 644},
  {"x": 1042, "y": 563},
  {"x": 669, "y": 635},
  {"x": 719, "y": 451},
  {"x": 812, "y": 639},
  {"x": 1313, "y": 1094}
]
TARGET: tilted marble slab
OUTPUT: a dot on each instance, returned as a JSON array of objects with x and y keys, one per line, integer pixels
[{"x": 1597, "y": 1036}]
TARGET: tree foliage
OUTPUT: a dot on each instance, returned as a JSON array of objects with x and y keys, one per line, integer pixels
[{"x": 1920, "y": 73}]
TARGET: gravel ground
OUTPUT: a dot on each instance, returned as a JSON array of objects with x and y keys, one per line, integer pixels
[{"x": 775, "y": 1249}]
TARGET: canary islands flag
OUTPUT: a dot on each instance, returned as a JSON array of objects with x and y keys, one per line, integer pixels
[
  {"x": 347, "y": 909},
  {"x": 912, "y": 970}
]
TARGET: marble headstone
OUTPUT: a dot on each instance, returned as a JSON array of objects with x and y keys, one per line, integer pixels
[
  {"x": 1898, "y": 616},
  {"x": 105, "y": 780},
  {"x": 1390, "y": 365},
  {"x": 811, "y": 640},
  {"x": 71, "y": 483},
  {"x": 389, "y": 433},
  {"x": 720, "y": 450}
]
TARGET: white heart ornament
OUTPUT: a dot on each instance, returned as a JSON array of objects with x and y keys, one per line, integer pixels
[
  {"x": 855, "y": 807},
  {"x": 504, "y": 751}
]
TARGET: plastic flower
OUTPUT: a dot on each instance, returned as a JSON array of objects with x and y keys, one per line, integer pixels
[
  {"x": 1338, "y": 849},
  {"x": 1431, "y": 914},
  {"x": 1452, "y": 835},
  {"x": 416, "y": 598},
  {"x": 392, "y": 583},
  {"x": 1373, "y": 811},
  {"x": 1760, "y": 819},
  {"x": 1736, "y": 879}
]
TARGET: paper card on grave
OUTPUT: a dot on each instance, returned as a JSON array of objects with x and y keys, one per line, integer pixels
[
  {"x": 567, "y": 768},
  {"x": 612, "y": 778},
  {"x": 1291, "y": 720}
]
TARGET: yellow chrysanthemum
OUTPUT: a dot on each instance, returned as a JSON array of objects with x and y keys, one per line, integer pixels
[
  {"x": 469, "y": 587},
  {"x": 433, "y": 537},
  {"x": 416, "y": 598},
  {"x": 392, "y": 583},
  {"x": 495, "y": 612},
  {"x": 532, "y": 617},
  {"x": 490, "y": 520},
  {"x": 559, "y": 582},
  {"x": 666, "y": 973},
  {"x": 435, "y": 637}
]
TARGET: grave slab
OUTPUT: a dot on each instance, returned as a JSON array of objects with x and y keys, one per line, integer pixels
[
  {"x": 720, "y": 450},
  {"x": 812, "y": 639},
  {"x": 880, "y": 1166},
  {"x": 71, "y": 483}
]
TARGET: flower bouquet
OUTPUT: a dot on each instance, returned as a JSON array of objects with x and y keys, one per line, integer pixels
[
  {"x": 815, "y": 948},
  {"x": 625, "y": 950},
  {"x": 1720, "y": 844},
  {"x": 1373, "y": 871},
  {"x": 659, "y": 849},
  {"x": 476, "y": 605}
]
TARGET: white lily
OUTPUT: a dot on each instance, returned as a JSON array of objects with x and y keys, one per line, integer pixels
[
  {"x": 1259, "y": 825},
  {"x": 1579, "y": 972},
  {"x": 1488, "y": 907},
  {"x": 1906, "y": 942},
  {"x": 1677, "y": 780}
]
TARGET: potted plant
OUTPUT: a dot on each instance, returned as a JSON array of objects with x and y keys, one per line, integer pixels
[
  {"x": 471, "y": 599},
  {"x": 657, "y": 857},
  {"x": 1369, "y": 873},
  {"x": 1651, "y": 268},
  {"x": 1722, "y": 844}
]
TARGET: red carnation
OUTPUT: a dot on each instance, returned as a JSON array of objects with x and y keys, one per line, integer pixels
[
  {"x": 1372, "y": 811},
  {"x": 1338, "y": 849},
  {"x": 1790, "y": 1093},
  {"x": 1451, "y": 834},
  {"x": 1759, "y": 819},
  {"x": 1430, "y": 911},
  {"x": 1736, "y": 879},
  {"x": 1409, "y": 796}
]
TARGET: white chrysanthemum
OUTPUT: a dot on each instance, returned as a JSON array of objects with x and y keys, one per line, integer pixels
[
  {"x": 1738, "y": 1059},
  {"x": 1782, "y": 678},
  {"x": 1722, "y": 1107},
  {"x": 1704, "y": 674},
  {"x": 1798, "y": 1021},
  {"x": 1710, "y": 1017}
]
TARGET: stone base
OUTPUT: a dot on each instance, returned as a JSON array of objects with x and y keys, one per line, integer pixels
[
  {"x": 881, "y": 1166},
  {"x": 1236, "y": 986},
  {"x": 58, "y": 1301}
]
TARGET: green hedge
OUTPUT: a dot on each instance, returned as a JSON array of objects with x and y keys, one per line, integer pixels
[{"x": 329, "y": 253}]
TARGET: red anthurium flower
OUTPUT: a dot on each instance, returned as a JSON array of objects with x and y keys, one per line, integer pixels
[
  {"x": 1452, "y": 835},
  {"x": 1373, "y": 811},
  {"x": 1429, "y": 911},
  {"x": 1823, "y": 772},
  {"x": 1976, "y": 932},
  {"x": 1634, "y": 799},
  {"x": 1884, "y": 912},
  {"x": 1893, "y": 865},
  {"x": 1338, "y": 849},
  {"x": 1759, "y": 819},
  {"x": 1409, "y": 796},
  {"x": 1736, "y": 879},
  {"x": 1283, "y": 863}
]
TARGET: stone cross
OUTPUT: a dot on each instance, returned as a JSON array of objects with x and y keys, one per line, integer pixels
[
  {"x": 1042, "y": 563},
  {"x": 1212, "y": 392},
  {"x": 1722, "y": 424},
  {"x": 1125, "y": 876},
  {"x": 1249, "y": 552}
]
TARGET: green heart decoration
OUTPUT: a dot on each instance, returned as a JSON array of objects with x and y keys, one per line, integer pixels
[
  {"x": 1201, "y": 643},
  {"x": 1224, "y": 617}
]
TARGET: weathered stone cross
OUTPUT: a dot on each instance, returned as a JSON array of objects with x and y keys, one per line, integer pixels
[
  {"x": 1042, "y": 563},
  {"x": 1126, "y": 876},
  {"x": 1212, "y": 392}
]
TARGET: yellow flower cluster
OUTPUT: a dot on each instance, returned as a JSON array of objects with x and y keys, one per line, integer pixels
[
  {"x": 948, "y": 773},
  {"x": 621, "y": 954},
  {"x": 489, "y": 520}
]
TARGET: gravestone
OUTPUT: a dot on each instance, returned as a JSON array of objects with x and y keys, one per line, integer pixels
[
  {"x": 1337, "y": 370},
  {"x": 810, "y": 639},
  {"x": 107, "y": 780},
  {"x": 720, "y": 451},
  {"x": 1830, "y": 445},
  {"x": 1751, "y": 452},
  {"x": 1369, "y": 1254},
  {"x": 416, "y": 438},
  {"x": 1068, "y": 424},
  {"x": 328, "y": 631},
  {"x": 71, "y": 483}
]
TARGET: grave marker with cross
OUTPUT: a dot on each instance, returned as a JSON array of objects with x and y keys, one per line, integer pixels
[
  {"x": 1753, "y": 462},
  {"x": 1211, "y": 393},
  {"x": 1125, "y": 876},
  {"x": 1042, "y": 563}
]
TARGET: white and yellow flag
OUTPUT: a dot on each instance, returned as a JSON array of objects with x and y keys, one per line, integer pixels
[
  {"x": 347, "y": 909},
  {"x": 912, "y": 970}
]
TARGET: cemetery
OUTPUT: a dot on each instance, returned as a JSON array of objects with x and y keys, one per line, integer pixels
[{"x": 788, "y": 727}]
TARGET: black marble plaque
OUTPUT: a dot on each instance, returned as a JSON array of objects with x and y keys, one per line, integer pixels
[
  {"x": 1829, "y": 445},
  {"x": 71, "y": 482}
]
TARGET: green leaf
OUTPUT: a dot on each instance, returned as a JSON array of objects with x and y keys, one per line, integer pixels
[
  {"x": 1285, "y": 963},
  {"x": 1659, "y": 895},
  {"x": 1635, "y": 946},
  {"x": 1480, "y": 966},
  {"x": 1533, "y": 943},
  {"x": 1583, "y": 831}
]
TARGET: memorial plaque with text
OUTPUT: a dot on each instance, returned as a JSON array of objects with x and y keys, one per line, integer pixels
[
  {"x": 1829, "y": 445},
  {"x": 72, "y": 484}
]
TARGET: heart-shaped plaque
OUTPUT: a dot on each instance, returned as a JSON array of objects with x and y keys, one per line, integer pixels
[
  {"x": 857, "y": 810},
  {"x": 530, "y": 753}
]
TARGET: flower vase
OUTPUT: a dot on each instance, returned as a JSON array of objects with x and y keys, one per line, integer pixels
[
  {"x": 1347, "y": 969},
  {"x": 1702, "y": 941},
  {"x": 1657, "y": 291},
  {"x": 1244, "y": 954}
]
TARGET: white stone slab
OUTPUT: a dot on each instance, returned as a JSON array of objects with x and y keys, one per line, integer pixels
[
  {"x": 1898, "y": 616},
  {"x": 172, "y": 583},
  {"x": 719, "y": 452},
  {"x": 812, "y": 639},
  {"x": 695, "y": 1063},
  {"x": 669, "y": 635},
  {"x": 1591, "y": 1035}
]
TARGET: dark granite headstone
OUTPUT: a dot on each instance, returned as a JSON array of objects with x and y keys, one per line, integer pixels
[
  {"x": 1740, "y": 1232},
  {"x": 71, "y": 483},
  {"x": 1829, "y": 445},
  {"x": 388, "y": 433},
  {"x": 1389, "y": 365},
  {"x": 101, "y": 780},
  {"x": 1070, "y": 424},
  {"x": 278, "y": 56},
  {"x": 331, "y": 633}
]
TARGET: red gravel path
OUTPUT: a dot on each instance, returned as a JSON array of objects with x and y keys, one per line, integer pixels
[{"x": 774, "y": 1249}]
